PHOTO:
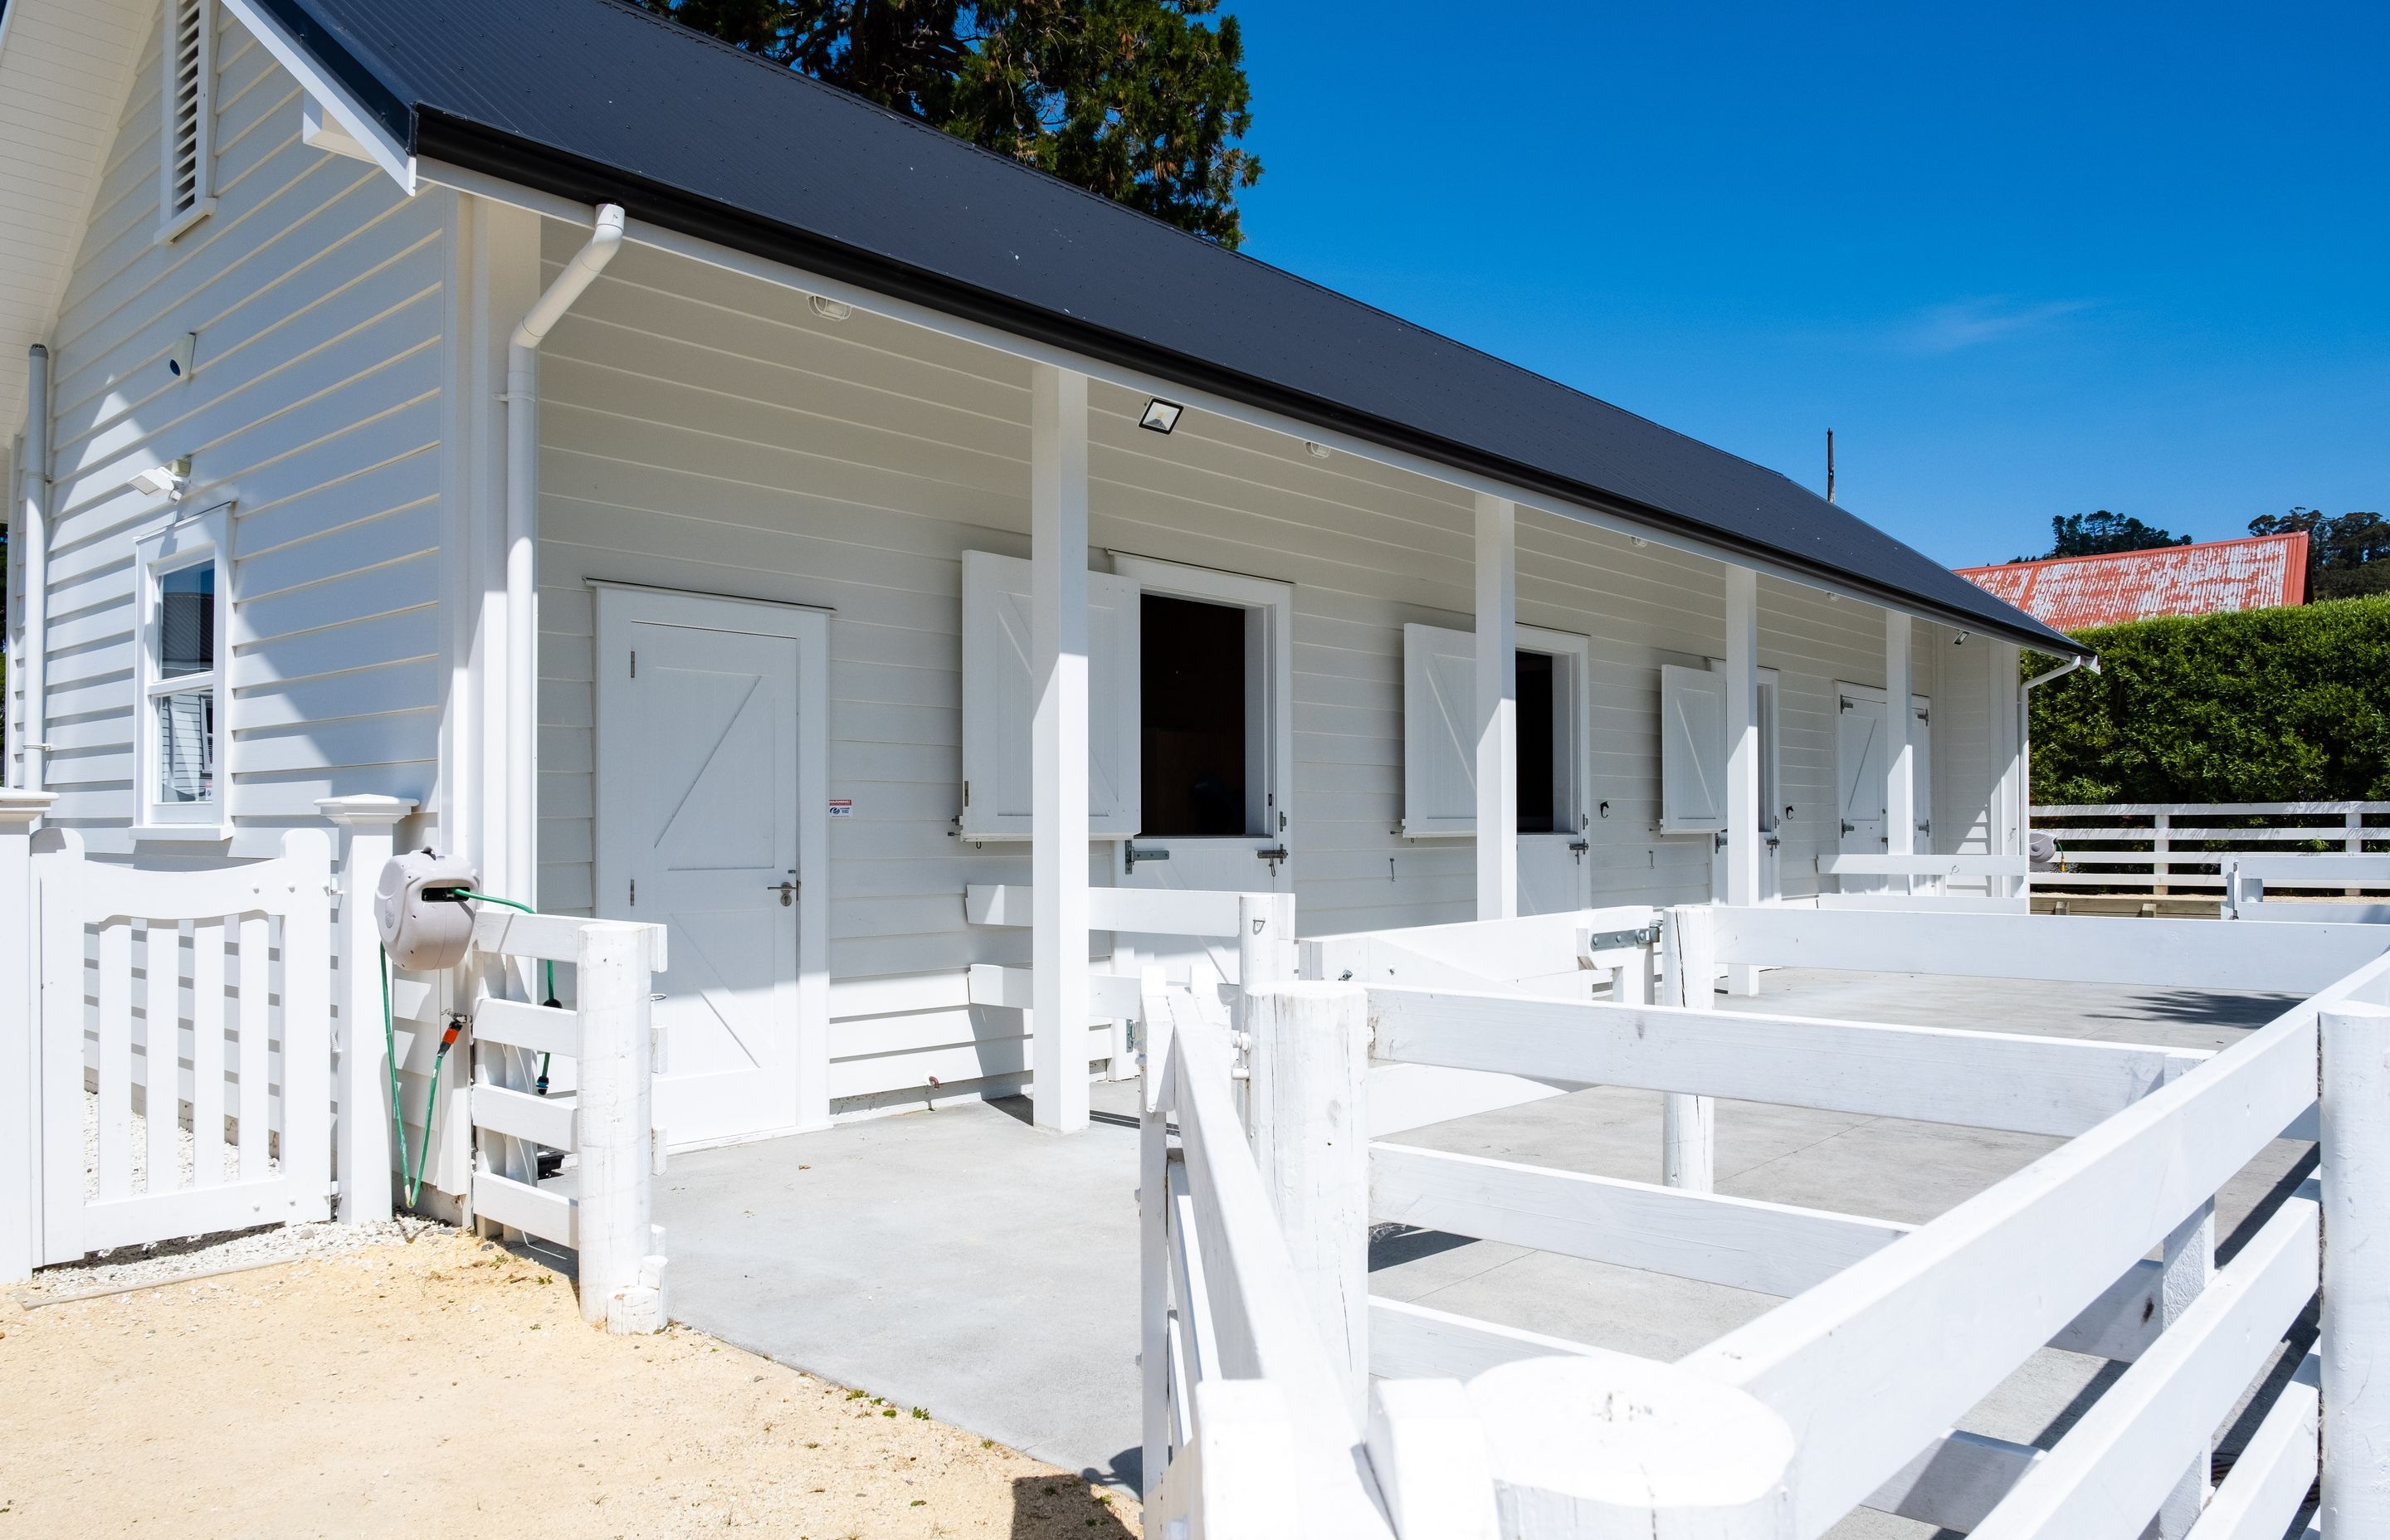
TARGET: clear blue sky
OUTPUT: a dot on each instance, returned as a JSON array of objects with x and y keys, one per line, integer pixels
[{"x": 2023, "y": 259}]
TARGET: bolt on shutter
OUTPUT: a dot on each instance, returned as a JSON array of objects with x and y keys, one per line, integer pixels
[
  {"x": 1439, "y": 731},
  {"x": 1693, "y": 750},
  {"x": 1000, "y": 700}
]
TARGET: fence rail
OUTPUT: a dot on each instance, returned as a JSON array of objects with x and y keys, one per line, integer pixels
[
  {"x": 2165, "y": 848},
  {"x": 1845, "y": 1395}
]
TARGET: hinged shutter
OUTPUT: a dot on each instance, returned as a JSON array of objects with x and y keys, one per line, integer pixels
[
  {"x": 1000, "y": 700},
  {"x": 1693, "y": 750},
  {"x": 1439, "y": 731},
  {"x": 1858, "y": 759}
]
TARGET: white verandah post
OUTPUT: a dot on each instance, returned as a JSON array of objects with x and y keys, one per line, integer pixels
[
  {"x": 20, "y": 1036},
  {"x": 369, "y": 828},
  {"x": 1743, "y": 850},
  {"x": 1058, "y": 554},
  {"x": 1900, "y": 763},
  {"x": 1497, "y": 708}
]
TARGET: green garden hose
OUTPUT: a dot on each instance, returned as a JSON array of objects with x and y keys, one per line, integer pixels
[{"x": 412, "y": 1178}]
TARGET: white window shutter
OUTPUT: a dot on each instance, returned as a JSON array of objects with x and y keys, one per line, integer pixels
[
  {"x": 1439, "y": 731},
  {"x": 1859, "y": 759},
  {"x": 1000, "y": 700},
  {"x": 1693, "y": 750}
]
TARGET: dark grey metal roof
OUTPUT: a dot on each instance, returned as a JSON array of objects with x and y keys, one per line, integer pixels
[{"x": 595, "y": 101}]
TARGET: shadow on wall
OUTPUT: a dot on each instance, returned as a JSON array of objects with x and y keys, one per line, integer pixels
[{"x": 1050, "y": 1507}]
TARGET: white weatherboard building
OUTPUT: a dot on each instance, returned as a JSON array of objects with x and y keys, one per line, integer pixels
[{"x": 711, "y": 500}]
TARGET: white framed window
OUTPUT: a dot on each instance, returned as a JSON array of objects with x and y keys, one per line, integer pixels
[
  {"x": 182, "y": 658},
  {"x": 187, "y": 105},
  {"x": 1555, "y": 747},
  {"x": 1215, "y": 701}
]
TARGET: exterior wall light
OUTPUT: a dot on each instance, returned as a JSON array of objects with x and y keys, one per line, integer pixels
[
  {"x": 164, "y": 481},
  {"x": 1313, "y": 448},
  {"x": 830, "y": 309},
  {"x": 1159, "y": 415}
]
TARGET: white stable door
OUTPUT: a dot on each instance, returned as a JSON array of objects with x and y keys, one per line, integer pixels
[
  {"x": 1862, "y": 739},
  {"x": 698, "y": 829}
]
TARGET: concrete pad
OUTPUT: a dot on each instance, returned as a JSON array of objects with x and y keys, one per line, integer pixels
[{"x": 960, "y": 1261}]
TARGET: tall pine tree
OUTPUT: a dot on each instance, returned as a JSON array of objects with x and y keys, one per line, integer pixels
[{"x": 1139, "y": 100}]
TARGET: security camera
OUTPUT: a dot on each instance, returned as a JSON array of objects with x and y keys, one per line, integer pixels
[{"x": 164, "y": 481}]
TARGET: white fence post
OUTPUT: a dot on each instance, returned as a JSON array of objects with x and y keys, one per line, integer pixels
[
  {"x": 2160, "y": 867},
  {"x": 369, "y": 830},
  {"x": 1309, "y": 1055},
  {"x": 2354, "y": 844},
  {"x": 1153, "y": 1231},
  {"x": 1612, "y": 1447},
  {"x": 1427, "y": 1450},
  {"x": 1265, "y": 953},
  {"x": 2355, "y": 1342},
  {"x": 622, "y": 1279},
  {"x": 1689, "y": 978},
  {"x": 20, "y": 1036}
]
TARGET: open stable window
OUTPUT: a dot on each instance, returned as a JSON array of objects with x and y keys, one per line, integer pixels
[
  {"x": 179, "y": 729},
  {"x": 1440, "y": 731},
  {"x": 1194, "y": 726},
  {"x": 186, "y": 94}
]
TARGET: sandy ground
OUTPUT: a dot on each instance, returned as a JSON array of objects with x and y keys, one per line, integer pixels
[{"x": 446, "y": 1387}]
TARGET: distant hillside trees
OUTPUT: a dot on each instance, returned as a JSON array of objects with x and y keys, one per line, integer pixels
[
  {"x": 2348, "y": 555},
  {"x": 2102, "y": 533}
]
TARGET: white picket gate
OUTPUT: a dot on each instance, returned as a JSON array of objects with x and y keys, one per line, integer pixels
[{"x": 185, "y": 1046}]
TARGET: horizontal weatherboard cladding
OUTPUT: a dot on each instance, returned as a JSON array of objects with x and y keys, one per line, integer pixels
[{"x": 594, "y": 101}]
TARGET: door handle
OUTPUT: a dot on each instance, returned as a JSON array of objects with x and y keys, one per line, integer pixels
[{"x": 788, "y": 891}]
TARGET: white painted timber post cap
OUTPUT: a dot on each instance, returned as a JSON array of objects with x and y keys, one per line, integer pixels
[
  {"x": 1608, "y": 1447},
  {"x": 18, "y": 808},
  {"x": 368, "y": 811}
]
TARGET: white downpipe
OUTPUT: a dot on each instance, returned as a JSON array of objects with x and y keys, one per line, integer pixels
[
  {"x": 2024, "y": 752},
  {"x": 521, "y": 877},
  {"x": 33, "y": 532}
]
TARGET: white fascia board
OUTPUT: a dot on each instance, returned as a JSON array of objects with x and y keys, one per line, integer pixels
[
  {"x": 335, "y": 121},
  {"x": 912, "y": 313}
]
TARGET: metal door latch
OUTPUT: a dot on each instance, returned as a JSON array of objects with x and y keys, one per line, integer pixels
[
  {"x": 1577, "y": 849},
  {"x": 1131, "y": 855},
  {"x": 788, "y": 891},
  {"x": 1274, "y": 854}
]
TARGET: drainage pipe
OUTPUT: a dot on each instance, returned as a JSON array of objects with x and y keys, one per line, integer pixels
[
  {"x": 520, "y": 873},
  {"x": 2025, "y": 740},
  {"x": 33, "y": 537}
]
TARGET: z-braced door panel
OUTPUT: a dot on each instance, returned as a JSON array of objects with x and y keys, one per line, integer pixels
[{"x": 699, "y": 782}]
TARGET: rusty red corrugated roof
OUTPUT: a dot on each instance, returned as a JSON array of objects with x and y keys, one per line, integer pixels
[{"x": 2077, "y": 592}]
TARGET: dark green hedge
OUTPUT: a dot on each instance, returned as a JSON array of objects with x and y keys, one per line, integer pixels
[{"x": 2270, "y": 705}]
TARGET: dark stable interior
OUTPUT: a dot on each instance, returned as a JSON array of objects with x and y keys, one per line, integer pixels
[{"x": 1193, "y": 726}]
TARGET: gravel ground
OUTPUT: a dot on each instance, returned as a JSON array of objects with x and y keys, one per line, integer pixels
[
  {"x": 184, "y": 1145},
  {"x": 449, "y": 1387},
  {"x": 140, "y": 1267}
]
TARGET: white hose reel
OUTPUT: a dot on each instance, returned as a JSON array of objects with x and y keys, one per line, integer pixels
[{"x": 426, "y": 923}]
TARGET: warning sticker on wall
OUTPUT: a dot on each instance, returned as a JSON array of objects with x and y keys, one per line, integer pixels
[{"x": 842, "y": 807}]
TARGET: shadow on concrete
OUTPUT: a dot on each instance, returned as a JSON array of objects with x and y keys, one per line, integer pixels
[
  {"x": 1051, "y": 1507},
  {"x": 2202, "y": 1007},
  {"x": 1392, "y": 1245}
]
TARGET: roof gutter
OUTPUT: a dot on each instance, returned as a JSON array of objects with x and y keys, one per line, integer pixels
[{"x": 521, "y": 663}]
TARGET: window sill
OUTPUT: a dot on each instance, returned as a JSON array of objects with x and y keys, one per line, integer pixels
[{"x": 191, "y": 833}]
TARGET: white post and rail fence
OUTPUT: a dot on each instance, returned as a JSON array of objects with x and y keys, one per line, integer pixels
[
  {"x": 185, "y": 1052},
  {"x": 1281, "y": 1400}
]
